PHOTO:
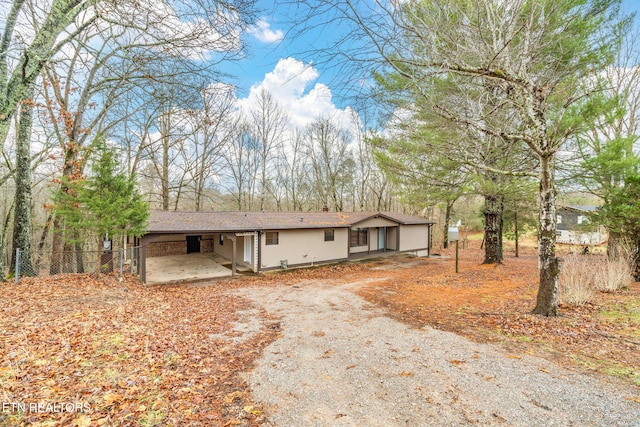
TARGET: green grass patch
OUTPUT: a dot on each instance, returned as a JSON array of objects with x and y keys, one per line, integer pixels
[
  {"x": 623, "y": 372},
  {"x": 608, "y": 367},
  {"x": 630, "y": 312},
  {"x": 475, "y": 236},
  {"x": 151, "y": 418}
]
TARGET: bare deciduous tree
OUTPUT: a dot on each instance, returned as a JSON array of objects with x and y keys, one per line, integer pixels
[
  {"x": 293, "y": 172},
  {"x": 331, "y": 162},
  {"x": 241, "y": 158},
  {"x": 268, "y": 121}
]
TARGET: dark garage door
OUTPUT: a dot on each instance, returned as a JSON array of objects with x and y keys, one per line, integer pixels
[{"x": 193, "y": 244}]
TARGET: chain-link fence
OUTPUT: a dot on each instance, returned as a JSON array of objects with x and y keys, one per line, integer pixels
[{"x": 130, "y": 260}]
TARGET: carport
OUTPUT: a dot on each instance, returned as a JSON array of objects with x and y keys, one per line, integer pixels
[{"x": 192, "y": 266}]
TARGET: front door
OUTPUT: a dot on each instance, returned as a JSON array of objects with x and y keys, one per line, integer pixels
[
  {"x": 193, "y": 244},
  {"x": 382, "y": 231},
  {"x": 248, "y": 246}
]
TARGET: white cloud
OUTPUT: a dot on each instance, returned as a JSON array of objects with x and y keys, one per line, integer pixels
[
  {"x": 292, "y": 85},
  {"x": 263, "y": 32}
]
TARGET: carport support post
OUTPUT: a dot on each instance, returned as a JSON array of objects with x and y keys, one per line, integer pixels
[
  {"x": 233, "y": 257},
  {"x": 232, "y": 237}
]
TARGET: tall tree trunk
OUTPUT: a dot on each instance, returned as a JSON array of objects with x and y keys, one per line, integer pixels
[
  {"x": 199, "y": 190},
  {"x": 3, "y": 277},
  {"x": 516, "y": 230},
  {"x": 3, "y": 242},
  {"x": 263, "y": 184},
  {"x": 615, "y": 246},
  {"x": 79, "y": 253},
  {"x": 493, "y": 207},
  {"x": 22, "y": 213},
  {"x": 68, "y": 255},
  {"x": 501, "y": 232},
  {"x": 43, "y": 239},
  {"x": 165, "y": 173},
  {"x": 56, "y": 247},
  {"x": 447, "y": 221},
  {"x": 98, "y": 271},
  {"x": 549, "y": 264},
  {"x": 636, "y": 260},
  {"x": 71, "y": 172}
]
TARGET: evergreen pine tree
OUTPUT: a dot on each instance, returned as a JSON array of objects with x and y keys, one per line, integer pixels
[{"x": 105, "y": 204}]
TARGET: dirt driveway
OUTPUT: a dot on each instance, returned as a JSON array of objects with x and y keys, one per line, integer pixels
[{"x": 341, "y": 361}]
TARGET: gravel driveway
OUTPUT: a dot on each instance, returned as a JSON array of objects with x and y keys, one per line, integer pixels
[{"x": 341, "y": 362}]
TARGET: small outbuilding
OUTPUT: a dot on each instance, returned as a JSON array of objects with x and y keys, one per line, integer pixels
[
  {"x": 575, "y": 227},
  {"x": 260, "y": 241}
]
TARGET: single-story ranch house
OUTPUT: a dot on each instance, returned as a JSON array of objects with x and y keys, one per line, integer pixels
[{"x": 271, "y": 240}]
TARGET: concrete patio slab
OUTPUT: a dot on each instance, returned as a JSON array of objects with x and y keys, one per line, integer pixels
[{"x": 193, "y": 266}]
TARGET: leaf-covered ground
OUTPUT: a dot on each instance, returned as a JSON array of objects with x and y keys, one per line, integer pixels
[
  {"x": 111, "y": 352},
  {"x": 492, "y": 303},
  {"x": 174, "y": 355}
]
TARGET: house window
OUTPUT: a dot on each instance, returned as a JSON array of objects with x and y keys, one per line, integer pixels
[
  {"x": 221, "y": 239},
  {"x": 359, "y": 237},
  {"x": 329, "y": 235},
  {"x": 271, "y": 237},
  {"x": 559, "y": 219},
  {"x": 582, "y": 220}
]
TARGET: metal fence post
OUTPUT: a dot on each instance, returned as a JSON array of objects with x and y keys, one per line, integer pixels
[
  {"x": 143, "y": 262},
  {"x": 131, "y": 260},
  {"x": 17, "y": 265}
]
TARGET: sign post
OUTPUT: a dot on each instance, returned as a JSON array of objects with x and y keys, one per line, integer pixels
[{"x": 453, "y": 236}]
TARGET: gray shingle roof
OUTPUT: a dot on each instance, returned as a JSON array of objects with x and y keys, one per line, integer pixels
[{"x": 177, "y": 222}]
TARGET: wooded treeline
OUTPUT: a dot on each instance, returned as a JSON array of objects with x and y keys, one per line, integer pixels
[
  {"x": 223, "y": 157},
  {"x": 143, "y": 77}
]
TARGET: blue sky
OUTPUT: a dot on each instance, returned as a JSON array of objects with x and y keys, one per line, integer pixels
[
  {"x": 272, "y": 42},
  {"x": 276, "y": 61}
]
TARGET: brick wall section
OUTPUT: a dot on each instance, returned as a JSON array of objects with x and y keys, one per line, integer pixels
[
  {"x": 206, "y": 245},
  {"x": 166, "y": 248}
]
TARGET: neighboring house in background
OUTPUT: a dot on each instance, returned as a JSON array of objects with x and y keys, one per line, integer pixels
[
  {"x": 270, "y": 240},
  {"x": 574, "y": 226}
]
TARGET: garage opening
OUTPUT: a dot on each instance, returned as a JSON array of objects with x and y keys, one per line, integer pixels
[{"x": 193, "y": 244}]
